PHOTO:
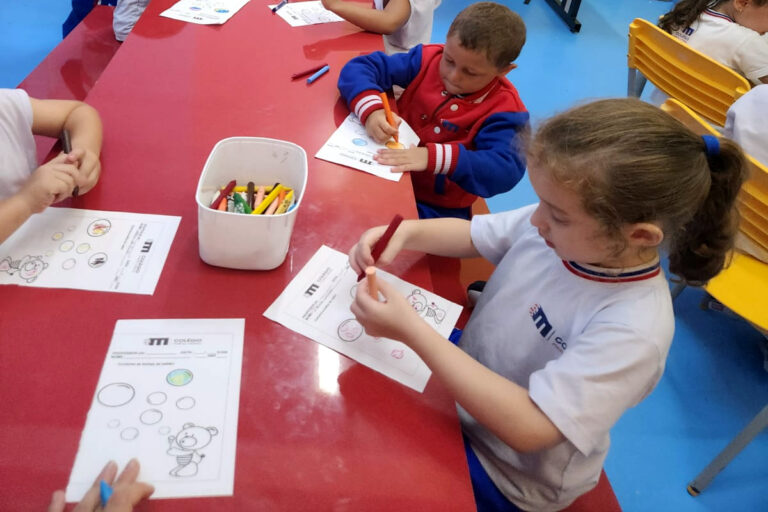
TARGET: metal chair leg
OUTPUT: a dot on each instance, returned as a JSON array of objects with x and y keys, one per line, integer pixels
[{"x": 738, "y": 443}]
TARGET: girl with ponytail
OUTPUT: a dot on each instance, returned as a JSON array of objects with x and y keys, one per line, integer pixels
[
  {"x": 574, "y": 325},
  {"x": 729, "y": 31}
]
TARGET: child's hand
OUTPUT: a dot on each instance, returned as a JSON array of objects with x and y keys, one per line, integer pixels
[
  {"x": 330, "y": 4},
  {"x": 393, "y": 318},
  {"x": 412, "y": 159},
  {"x": 49, "y": 184},
  {"x": 360, "y": 255},
  {"x": 379, "y": 129},
  {"x": 89, "y": 168},
  {"x": 126, "y": 491}
]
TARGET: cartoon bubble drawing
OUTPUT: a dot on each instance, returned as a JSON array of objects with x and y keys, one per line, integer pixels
[
  {"x": 57, "y": 236},
  {"x": 99, "y": 227},
  {"x": 180, "y": 377},
  {"x": 350, "y": 330},
  {"x": 69, "y": 263},
  {"x": 83, "y": 248},
  {"x": 113, "y": 423},
  {"x": 151, "y": 416},
  {"x": 115, "y": 394},
  {"x": 66, "y": 245},
  {"x": 129, "y": 434},
  {"x": 97, "y": 260},
  {"x": 157, "y": 398},
  {"x": 359, "y": 142},
  {"x": 186, "y": 402}
]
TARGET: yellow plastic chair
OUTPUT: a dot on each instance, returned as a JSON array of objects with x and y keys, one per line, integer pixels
[
  {"x": 743, "y": 286},
  {"x": 681, "y": 72}
]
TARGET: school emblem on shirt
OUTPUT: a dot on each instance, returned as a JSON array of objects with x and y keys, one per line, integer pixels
[{"x": 544, "y": 326}]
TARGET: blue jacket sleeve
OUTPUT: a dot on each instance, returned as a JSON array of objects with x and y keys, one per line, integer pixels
[
  {"x": 378, "y": 71},
  {"x": 497, "y": 163}
]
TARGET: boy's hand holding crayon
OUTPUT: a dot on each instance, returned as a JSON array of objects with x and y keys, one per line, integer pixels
[
  {"x": 379, "y": 129},
  {"x": 393, "y": 317}
]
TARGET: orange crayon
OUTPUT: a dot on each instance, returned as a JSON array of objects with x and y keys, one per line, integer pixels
[
  {"x": 273, "y": 206},
  {"x": 388, "y": 113},
  {"x": 373, "y": 287}
]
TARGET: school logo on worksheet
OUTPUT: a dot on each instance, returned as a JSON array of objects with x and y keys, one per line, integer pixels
[
  {"x": 156, "y": 341},
  {"x": 544, "y": 326}
]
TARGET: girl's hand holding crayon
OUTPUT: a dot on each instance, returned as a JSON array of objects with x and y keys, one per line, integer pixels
[
  {"x": 402, "y": 160},
  {"x": 89, "y": 168},
  {"x": 379, "y": 129},
  {"x": 391, "y": 318},
  {"x": 49, "y": 183}
]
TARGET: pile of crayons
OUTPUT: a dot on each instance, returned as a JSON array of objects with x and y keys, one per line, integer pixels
[{"x": 254, "y": 200}]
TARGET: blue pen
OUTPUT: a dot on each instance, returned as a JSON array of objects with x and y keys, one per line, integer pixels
[
  {"x": 106, "y": 492},
  {"x": 317, "y": 75},
  {"x": 275, "y": 8}
]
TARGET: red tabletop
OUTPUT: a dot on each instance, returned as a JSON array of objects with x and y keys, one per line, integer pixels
[{"x": 170, "y": 93}]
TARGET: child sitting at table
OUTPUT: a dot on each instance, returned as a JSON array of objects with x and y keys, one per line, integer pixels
[
  {"x": 25, "y": 188},
  {"x": 575, "y": 323},
  {"x": 457, "y": 99},
  {"x": 729, "y": 31},
  {"x": 404, "y": 23}
]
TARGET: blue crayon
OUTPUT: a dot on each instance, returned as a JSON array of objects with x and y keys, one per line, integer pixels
[
  {"x": 105, "y": 492},
  {"x": 317, "y": 75}
]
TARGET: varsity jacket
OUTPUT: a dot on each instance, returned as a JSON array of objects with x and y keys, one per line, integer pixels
[{"x": 472, "y": 139}]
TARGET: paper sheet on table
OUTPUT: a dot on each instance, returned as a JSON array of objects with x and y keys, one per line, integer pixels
[
  {"x": 300, "y": 14},
  {"x": 88, "y": 250},
  {"x": 204, "y": 12},
  {"x": 351, "y": 146},
  {"x": 168, "y": 394},
  {"x": 316, "y": 304}
]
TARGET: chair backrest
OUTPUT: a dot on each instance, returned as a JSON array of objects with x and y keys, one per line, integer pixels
[
  {"x": 681, "y": 72},
  {"x": 753, "y": 198}
]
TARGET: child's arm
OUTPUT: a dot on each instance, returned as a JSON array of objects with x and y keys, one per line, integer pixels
[
  {"x": 394, "y": 15},
  {"x": 499, "y": 404},
  {"x": 49, "y": 183},
  {"x": 443, "y": 237},
  {"x": 494, "y": 166},
  {"x": 51, "y": 117}
]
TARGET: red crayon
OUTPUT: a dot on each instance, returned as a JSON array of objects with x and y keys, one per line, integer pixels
[
  {"x": 223, "y": 194},
  {"x": 382, "y": 242}
]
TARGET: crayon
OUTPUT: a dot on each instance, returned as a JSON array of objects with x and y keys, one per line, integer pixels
[
  {"x": 244, "y": 188},
  {"x": 308, "y": 71},
  {"x": 250, "y": 191},
  {"x": 373, "y": 286},
  {"x": 382, "y": 242},
  {"x": 105, "y": 492},
  {"x": 66, "y": 147},
  {"x": 222, "y": 206},
  {"x": 241, "y": 205},
  {"x": 323, "y": 70},
  {"x": 278, "y": 6},
  {"x": 273, "y": 207},
  {"x": 223, "y": 194},
  {"x": 388, "y": 113},
  {"x": 285, "y": 203},
  {"x": 268, "y": 200},
  {"x": 230, "y": 204},
  {"x": 259, "y": 196}
]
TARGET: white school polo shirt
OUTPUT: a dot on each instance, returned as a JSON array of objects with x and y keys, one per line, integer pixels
[
  {"x": 587, "y": 343},
  {"x": 18, "y": 153},
  {"x": 417, "y": 30}
]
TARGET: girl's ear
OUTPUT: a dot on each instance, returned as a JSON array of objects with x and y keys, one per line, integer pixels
[{"x": 645, "y": 234}]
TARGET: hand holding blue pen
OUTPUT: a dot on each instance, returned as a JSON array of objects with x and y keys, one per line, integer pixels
[
  {"x": 318, "y": 74},
  {"x": 278, "y": 6},
  {"x": 108, "y": 493}
]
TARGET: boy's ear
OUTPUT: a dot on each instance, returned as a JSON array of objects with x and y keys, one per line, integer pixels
[
  {"x": 645, "y": 234},
  {"x": 506, "y": 69}
]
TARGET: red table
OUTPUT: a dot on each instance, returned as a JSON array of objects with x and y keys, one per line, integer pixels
[{"x": 170, "y": 93}]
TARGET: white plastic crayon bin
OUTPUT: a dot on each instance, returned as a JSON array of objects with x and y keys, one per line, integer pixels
[{"x": 237, "y": 240}]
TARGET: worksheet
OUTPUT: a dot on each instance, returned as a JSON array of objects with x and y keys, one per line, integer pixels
[
  {"x": 204, "y": 12},
  {"x": 351, "y": 146},
  {"x": 300, "y": 14},
  {"x": 168, "y": 394},
  {"x": 88, "y": 250},
  {"x": 316, "y": 304}
]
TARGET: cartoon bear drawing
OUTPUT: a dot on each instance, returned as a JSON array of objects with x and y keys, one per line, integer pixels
[
  {"x": 27, "y": 268},
  {"x": 185, "y": 445}
]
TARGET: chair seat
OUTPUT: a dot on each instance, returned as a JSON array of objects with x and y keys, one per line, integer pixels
[{"x": 741, "y": 287}]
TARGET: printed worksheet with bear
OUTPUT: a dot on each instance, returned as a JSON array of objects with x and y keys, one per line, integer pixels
[
  {"x": 168, "y": 395},
  {"x": 89, "y": 250},
  {"x": 316, "y": 304}
]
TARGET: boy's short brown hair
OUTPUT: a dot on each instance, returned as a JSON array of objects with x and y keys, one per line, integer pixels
[{"x": 492, "y": 29}]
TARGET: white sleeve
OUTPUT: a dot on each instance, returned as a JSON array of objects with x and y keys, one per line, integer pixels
[
  {"x": 493, "y": 235},
  {"x": 752, "y": 57},
  {"x": 15, "y": 109}
]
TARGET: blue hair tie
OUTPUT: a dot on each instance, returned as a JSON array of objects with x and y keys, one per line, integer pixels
[{"x": 712, "y": 145}]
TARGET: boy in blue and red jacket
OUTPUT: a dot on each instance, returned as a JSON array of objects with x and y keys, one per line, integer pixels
[{"x": 467, "y": 114}]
